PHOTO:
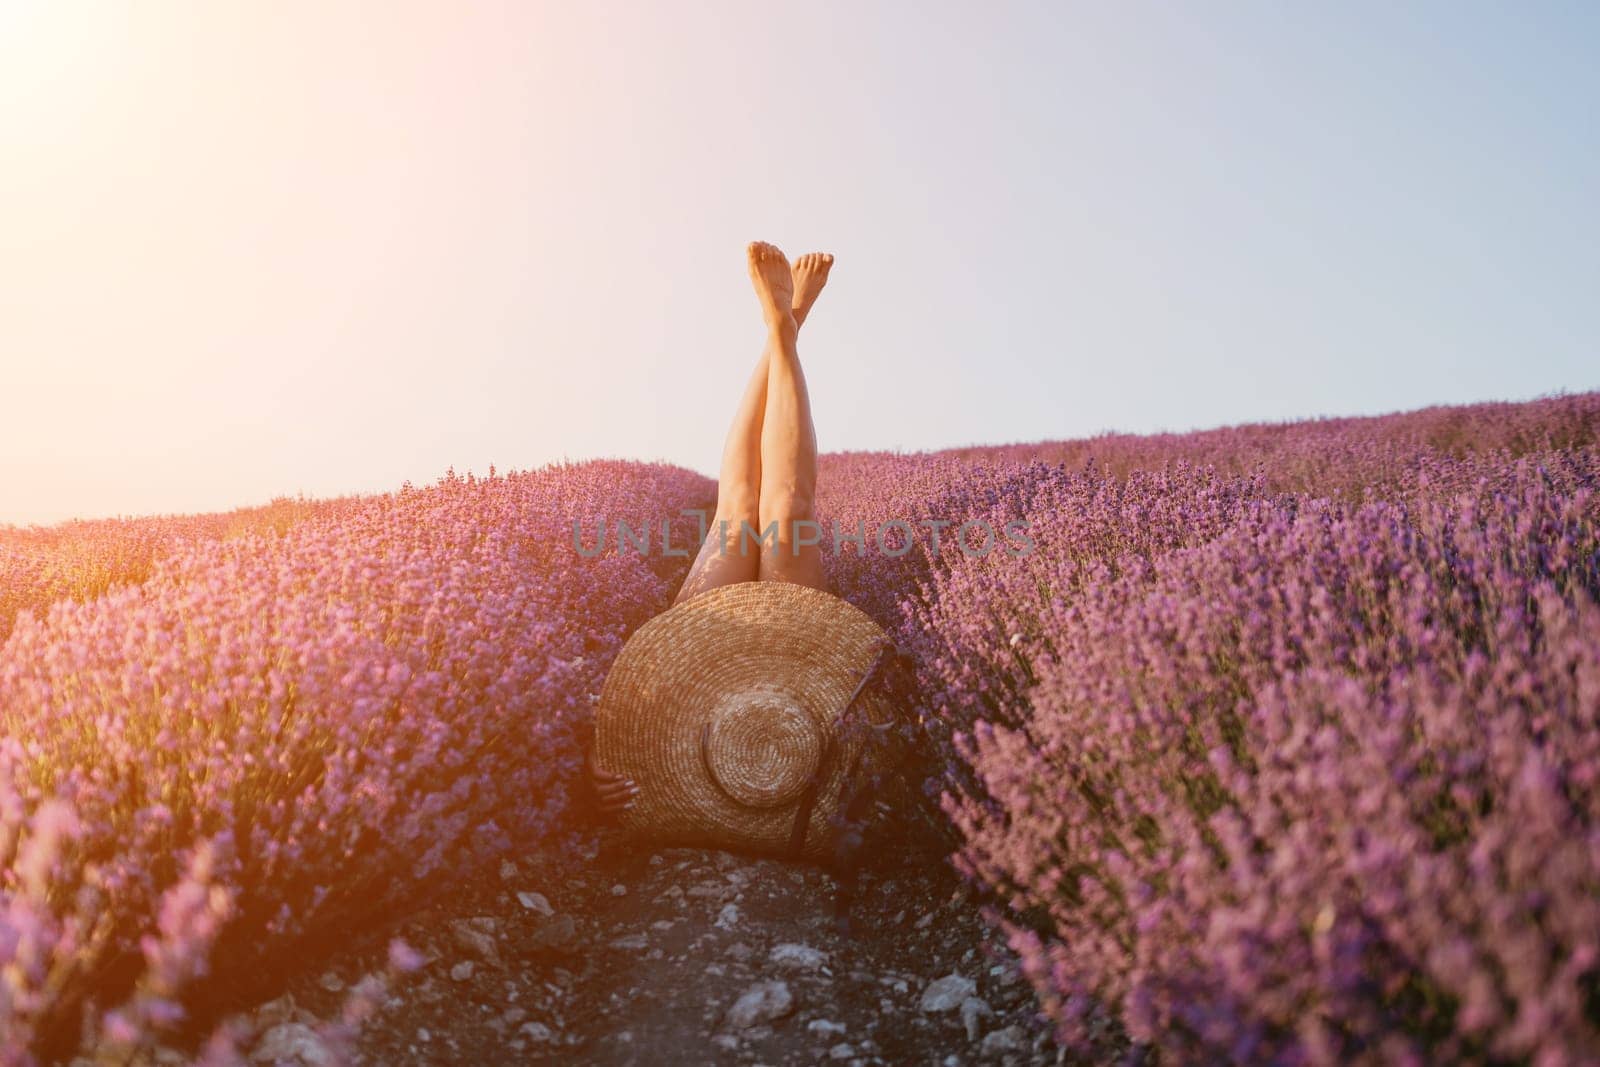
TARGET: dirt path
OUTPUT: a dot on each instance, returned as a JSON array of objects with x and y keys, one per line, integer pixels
[{"x": 687, "y": 956}]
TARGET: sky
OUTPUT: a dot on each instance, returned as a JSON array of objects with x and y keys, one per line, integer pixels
[{"x": 260, "y": 249}]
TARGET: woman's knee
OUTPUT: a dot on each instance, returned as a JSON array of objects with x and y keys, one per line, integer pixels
[
  {"x": 737, "y": 505},
  {"x": 788, "y": 510},
  {"x": 790, "y": 533},
  {"x": 735, "y": 532}
]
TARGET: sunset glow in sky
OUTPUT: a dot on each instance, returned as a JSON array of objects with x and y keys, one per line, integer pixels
[{"x": 254, "y": 249}]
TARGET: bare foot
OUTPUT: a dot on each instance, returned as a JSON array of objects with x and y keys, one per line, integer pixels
[
  {"x": 810, "y": 275},
  {"x": 769, "y": 271}
]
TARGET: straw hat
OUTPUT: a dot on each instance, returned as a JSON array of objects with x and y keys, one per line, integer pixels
[{"x": 725, "y": 711}]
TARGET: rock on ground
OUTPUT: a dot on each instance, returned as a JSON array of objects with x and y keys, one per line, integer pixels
[
  {"x": 947, "y": 993},
  {"x": 761, "y": 1003}
]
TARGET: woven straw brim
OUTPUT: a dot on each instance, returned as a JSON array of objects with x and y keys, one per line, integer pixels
[{"x": 721, "y": 708}]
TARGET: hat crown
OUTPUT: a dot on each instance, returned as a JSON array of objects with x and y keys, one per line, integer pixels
[{"x": 761, "y": 747}]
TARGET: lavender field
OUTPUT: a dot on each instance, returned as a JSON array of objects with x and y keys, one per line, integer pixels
[{"x": 1283, "y": 745}]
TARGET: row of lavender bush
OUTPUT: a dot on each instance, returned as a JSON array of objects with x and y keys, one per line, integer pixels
[
  {"x": 1348, "y": 457},
  {"x": 278, "y": 738},
  {"x": 85, "y": 558},
  {"x": 1343, "y": 458},
  {"x": 1268, "y": 776}
]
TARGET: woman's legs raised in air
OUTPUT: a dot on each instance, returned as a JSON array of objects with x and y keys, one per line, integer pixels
[
  {"x": 725, "y": 559},
  {"x": 790, "y": 548}
]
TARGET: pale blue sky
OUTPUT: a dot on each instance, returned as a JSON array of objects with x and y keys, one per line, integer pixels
[{"x": 254, "y": 249}]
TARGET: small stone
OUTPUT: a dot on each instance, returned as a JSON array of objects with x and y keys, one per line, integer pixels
[
  {"x": 536, "y": 1032},
  {"x": 631, "y": 943},
  {"x": 508, "y": 871},
  {"x": 825, "y": 1026},
  {"x": 423, "y": 1035},
  {"x": 619, "y": 890},
  {"x": 331, "y": 982},
  {"x": 924, "y": 922},
  {"x": 477, "y": 937},
  {"x": 947, "y": 993},
  {"x": 728, "y": 917},
  {"x": 761, "y": 1003},
  {"x": 513, "y": 1016},
  {"x": 292, "y": 1044},
  {"x": 726, "y": 1042},
  {"x": 802, "y": 957},
  {"x": 656, "y": 860},
  {"x": 739, "y": 951},
  {"x": 1010, "y": 1039},
  {"x": 841, "y": 1051},
  {"x": 535, "y": 902},
  {"x": 662, "y": 924},
  {"x": 462, "y": 971},
  {"x": 558, "y": 933}
]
